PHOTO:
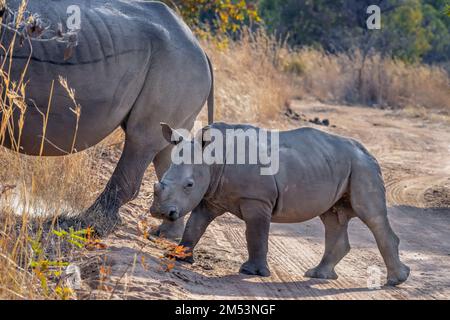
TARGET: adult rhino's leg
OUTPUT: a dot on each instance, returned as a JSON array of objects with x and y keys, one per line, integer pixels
[
  {"x": 124, "y": 184},
  {"x": 368, "y": 200},
  {"x": 336, "y": 246},
  {"x": 168, "y": 229},
  {"x": 176, "y": 92}
]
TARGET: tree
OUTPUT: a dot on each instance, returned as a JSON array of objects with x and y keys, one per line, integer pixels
[
  {"x": 412, "y": 30},
  {"x": 437, "y": 26}
]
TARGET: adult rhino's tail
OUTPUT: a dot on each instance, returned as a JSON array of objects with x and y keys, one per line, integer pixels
[
  {"x": 211, "y": 94},
  {"x": 361, "y": 147}
]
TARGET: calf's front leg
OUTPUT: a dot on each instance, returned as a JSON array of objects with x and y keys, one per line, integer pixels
[
  {"x": 257, "y": 216},
  {"x": 201, "y": 217}
]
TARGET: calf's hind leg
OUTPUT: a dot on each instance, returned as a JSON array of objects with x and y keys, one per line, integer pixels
[
  {"x": 369, "y": 203},
  {"x": 336, "y": 246}
]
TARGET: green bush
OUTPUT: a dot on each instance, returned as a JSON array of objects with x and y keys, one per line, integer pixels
[
  {"x": 220, "y": 15},
  {"x": 412, "y": 30}
]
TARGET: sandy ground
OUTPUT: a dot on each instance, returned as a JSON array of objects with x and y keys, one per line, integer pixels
[{"x": 415, "y": 156}]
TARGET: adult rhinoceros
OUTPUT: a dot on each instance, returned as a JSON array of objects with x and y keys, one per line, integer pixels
[{"x": 135, "y": 65}]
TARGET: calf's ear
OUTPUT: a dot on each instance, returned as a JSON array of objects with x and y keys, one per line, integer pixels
[
  {"x": 171, "y": 135},
  {"x": 206, "y": 136},
  {"x": 203, "y": 136}
]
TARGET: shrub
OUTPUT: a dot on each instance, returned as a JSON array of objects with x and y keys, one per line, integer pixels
[{"x": 220, "y": 15}]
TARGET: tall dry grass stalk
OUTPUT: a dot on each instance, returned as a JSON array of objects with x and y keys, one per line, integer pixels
[
  {"x": 32, "y": 188},
  {"x": 15, "y": 254},
  {"x": 373, "y": 80}
]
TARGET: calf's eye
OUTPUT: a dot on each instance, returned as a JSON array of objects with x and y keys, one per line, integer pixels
[{"x": 189, "y": 184}]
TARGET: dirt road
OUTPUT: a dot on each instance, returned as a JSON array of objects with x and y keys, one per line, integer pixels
[{"x": 415, "y": 156}]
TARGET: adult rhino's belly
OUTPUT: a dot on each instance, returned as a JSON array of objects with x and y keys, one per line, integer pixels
[
  {"x": 105, "y": 91},
  {"x": 106, "y": 70}
]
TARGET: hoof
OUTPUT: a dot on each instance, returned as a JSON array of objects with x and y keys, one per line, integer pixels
[
  {"x": 321, "y": 273},
  {"x": 398, "y": 277},
  {"x": 170, "y": 230},
  {"x": 254, "y": 270},
  {"x": 103, "y": 225},
  {"x": 155, "y": 232}
]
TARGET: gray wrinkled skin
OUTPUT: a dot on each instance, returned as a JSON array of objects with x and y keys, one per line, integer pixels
[
  {"x": 321, "y": 175},
  {"x": 136, "y": 64}
]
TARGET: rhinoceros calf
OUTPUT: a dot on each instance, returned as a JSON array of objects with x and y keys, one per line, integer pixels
[{"x": 320, "y": 175}]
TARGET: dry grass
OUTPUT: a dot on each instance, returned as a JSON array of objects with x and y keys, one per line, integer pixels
[
  {"x": 257, "y": 75},
  {"x": 36, "y": 187},
  {"x": 40, "y": 187},
  {"x": 17, "y": 281},
  {"x": 249, "y": 86},
  {"x": 349, "y": 78}
]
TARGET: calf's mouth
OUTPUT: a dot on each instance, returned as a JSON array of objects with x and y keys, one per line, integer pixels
[{"x": 170, "y": 213}]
